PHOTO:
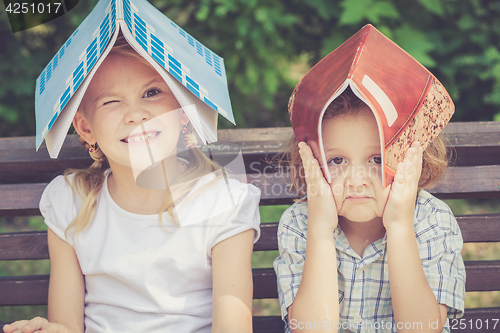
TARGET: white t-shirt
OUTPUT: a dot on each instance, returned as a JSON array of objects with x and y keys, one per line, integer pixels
[{"x": 140, "y": 277}]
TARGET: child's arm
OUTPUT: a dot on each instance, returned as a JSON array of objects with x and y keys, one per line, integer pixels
[
  {"x": 67, "y": 285},
  {"x": 66, "y": 293},
  {"x": 317, "y": 297},
  {"x": 232, "y": 283},
  {"x": 412, "y": 298}
]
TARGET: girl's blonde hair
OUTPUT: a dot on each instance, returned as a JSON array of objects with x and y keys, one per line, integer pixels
[
  {"x": 435, "y": 156},
  {"x": 87, "y": 183}
]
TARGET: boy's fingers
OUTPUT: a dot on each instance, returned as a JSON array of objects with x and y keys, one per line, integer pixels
[
  {"x": 313, "y": 175},
  {"x": 412, "y": 164},
  {"x": 417, "y": 163},
  {"x": 420, "y": 160},
  {"x": 308, "y": 161},
  {"x": 305, "y": 162},
  {"x": 408, "y": 162},
  {"x": 399, "y": 177}
]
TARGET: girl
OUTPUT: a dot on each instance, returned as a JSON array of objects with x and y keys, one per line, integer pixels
[
  {"x": 356, "y": 256},
  {"x": 117, "y": 265}
]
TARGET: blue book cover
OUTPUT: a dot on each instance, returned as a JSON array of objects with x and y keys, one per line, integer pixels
[{"x": 195, "y": 74}]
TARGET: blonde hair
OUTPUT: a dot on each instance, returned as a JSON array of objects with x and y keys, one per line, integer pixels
[
  {"x": 435, "y": 156},
  {"x": 87, "y": 183}
]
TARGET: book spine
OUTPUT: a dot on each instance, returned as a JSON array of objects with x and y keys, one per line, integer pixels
[
  {"x": 358, "y": 52},
  {"x": 119, "y": 9}
]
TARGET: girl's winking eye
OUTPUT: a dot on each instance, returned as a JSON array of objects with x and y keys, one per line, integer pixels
[
  {"x": 337, "y": 160},
  {"x": 151, "y": 92},
  {"x": 376, "y": 160},
  {"x": 109, "y": 102}
]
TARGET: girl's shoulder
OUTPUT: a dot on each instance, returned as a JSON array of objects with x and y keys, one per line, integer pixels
[
  {"x": 216, "y": 195},
  {"x": 218, "y": 185},
  {"x": 59, "y": 188},
  {"x": 59, "y": 204}
]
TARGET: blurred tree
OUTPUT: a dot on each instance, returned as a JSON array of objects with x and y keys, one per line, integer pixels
[{"x": 269, "y": 45}]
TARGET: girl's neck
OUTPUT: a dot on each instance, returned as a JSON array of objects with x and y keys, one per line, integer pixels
[
  {"x": 362, "y": 234},
  {"x": 133, "y": 198}
]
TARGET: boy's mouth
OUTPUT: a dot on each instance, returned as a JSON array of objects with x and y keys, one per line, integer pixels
[
  {"x": 358, "y": 198},
  {"x": 140, "y": 137}
]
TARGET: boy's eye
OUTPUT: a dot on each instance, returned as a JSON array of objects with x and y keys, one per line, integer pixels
[
  {"x": 376, "y": 160},
  {"x": 337, "y": 160},
  {"x": 109, "y": 102},
  {"x": 151, "y": 92}
]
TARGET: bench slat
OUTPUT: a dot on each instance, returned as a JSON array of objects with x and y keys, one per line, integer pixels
[
  {"x": 33, "y": 245},
  {"x": 475, "y": 228},
  {"x": 458, "y": 182},
  {"x": 268, "y": 324},
  {"x": 20, "y": 199},
  {"x": 24, "y": 246},
  {"x": 481, "y": 276},
  {"x": 24, "y": 290},
  {"x": 475, "y": 143},
  {"x": 33, "y": 290}
]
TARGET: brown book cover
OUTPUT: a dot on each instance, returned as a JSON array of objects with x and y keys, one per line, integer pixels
[{"x": 408, "y": 102}]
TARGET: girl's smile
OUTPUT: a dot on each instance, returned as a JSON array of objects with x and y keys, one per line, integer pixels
[
  {"x": 131, "y": 113},
  {"x": 141, "y": 138}
]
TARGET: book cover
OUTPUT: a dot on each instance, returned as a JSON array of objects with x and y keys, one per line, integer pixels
[
  {"x": 195, "y": 74},
  {"x": 408, "y": 102}
]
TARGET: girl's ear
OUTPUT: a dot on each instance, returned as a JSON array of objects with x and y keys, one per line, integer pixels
[{"x": 82, "y": 127}]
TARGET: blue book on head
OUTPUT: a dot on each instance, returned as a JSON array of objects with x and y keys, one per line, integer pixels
[{"x": 195, "y": 74}]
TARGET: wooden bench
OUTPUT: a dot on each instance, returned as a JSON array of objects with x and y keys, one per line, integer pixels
[{"x": 476, "y": 174}]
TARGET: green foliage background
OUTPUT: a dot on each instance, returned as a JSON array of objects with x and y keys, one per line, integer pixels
[{"x": 269, "y": 45}]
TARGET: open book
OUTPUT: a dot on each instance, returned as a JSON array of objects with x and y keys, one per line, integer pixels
[
  {"x": 195, "y": 74},
  {"x": 408, "y": 102}
]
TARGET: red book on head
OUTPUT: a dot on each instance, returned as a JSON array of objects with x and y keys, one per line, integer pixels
[{"x": 408, "y": 102}]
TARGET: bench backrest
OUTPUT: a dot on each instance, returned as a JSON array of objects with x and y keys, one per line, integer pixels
[{"x": 24, "y": 174}]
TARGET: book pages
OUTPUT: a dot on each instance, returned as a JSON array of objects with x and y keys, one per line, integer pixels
[
  {"x": 195, "y": 74},
  {"x": 408, "y": 102}
]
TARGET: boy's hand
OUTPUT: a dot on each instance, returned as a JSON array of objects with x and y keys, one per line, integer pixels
[
  {"x": 37, "y": 324},
  {"x": 321, "y": 206},
  {"x": 400, "y": 206}
]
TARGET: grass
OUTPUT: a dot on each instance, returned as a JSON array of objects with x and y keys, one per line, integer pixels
[{"x": 265, "y": 307}]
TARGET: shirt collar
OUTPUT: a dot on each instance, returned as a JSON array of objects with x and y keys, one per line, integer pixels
[{"x": 371, "y": 253}]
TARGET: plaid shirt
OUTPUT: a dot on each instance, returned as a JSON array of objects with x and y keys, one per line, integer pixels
[{"x": 364, "y": 289}]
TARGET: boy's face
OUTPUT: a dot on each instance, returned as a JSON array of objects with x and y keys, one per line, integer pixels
[
  {"x": 352, "y": 150},
  {"x": 125, "y": 99}
]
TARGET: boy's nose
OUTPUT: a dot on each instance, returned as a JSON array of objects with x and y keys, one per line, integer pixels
[{"x": 357, "y": 175}]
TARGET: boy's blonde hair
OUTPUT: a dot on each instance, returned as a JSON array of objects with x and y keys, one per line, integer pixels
[
  {"x": 87, "y": 183},
  {"x": 435, "y": 156}
]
